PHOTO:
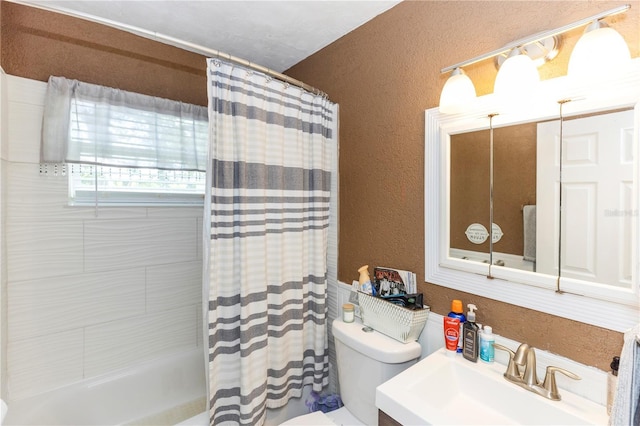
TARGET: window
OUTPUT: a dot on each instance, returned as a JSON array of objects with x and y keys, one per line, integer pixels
[
  {"x": 126, "y": 186},
  {"x": 123, "y": 147}
]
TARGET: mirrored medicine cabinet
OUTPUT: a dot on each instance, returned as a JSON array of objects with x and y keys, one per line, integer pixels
[{"x": 560, "y": 177}]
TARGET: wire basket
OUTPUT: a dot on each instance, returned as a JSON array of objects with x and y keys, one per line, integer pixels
[{"x": 397, "y": 322}]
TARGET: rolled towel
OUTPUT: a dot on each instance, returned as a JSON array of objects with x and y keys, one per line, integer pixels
[
  {"x": 3, "y": 410},
  {"x": 626, "y": 403},
  {"x": 529, "y": 222}
]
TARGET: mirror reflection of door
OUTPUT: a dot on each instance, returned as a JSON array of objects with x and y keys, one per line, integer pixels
[{"x": 597, "y": 176}]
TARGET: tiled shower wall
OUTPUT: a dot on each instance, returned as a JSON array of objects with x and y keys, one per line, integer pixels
[{"x": 90, "y": 290}]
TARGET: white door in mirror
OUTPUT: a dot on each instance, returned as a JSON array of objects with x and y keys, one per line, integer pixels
[{"x": 597, "y": 195}]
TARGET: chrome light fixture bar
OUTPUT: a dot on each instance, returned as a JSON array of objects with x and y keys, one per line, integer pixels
[
  {"x": 599, "y": 51},
  {"x": 537, "y": 37}
]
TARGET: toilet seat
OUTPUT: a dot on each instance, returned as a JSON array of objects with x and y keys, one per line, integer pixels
[{"x": 340, "y": 417}]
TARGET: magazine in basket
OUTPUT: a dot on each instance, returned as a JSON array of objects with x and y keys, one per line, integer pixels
[{"x": 390, "y": 281}]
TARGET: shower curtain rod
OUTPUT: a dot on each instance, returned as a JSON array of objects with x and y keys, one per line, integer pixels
[{"x": 172, "y": 41}]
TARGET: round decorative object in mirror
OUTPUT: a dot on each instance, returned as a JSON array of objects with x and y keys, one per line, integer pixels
[
  {"x": 477, "y": 233},
  {"x": 496, "y": 233}
]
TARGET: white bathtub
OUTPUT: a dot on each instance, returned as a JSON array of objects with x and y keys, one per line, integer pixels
[
  {"x": 162, "y": 392},
  {"x": 275, "y": 416}
]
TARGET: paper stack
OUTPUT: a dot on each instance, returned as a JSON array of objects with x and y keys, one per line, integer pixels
[{"x": 390, "y": 281}]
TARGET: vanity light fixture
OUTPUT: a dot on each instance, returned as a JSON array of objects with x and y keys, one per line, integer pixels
[
  {"x": 456, "y": 93},
  {"x": 517, "y": 77},
  {"x": 599, "y": 50}
]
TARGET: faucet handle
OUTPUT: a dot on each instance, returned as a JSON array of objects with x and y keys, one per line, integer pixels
[
  {"x": 550, "y": 381},
  {"x": 512, "y": 369}
]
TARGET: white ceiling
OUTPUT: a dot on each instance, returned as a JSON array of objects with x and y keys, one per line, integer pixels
[{"x": 274, "y": 34}]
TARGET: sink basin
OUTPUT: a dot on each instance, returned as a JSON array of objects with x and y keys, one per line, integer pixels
[{"x": 445, "y": 389}]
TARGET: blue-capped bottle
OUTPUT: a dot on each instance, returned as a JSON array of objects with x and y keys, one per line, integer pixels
[
  {"x": 457, "y": 312},
  {"x": 487, "y": 339}
]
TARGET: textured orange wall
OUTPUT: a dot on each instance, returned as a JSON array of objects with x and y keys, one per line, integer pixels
[
  {"x": 384, "y": 75},
  {"x": 1, "y": 3},
  {"x": 37, "y": 44}
]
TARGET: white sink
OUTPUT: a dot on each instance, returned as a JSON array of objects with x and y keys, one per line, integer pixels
[{"x": 443, "y": 389}]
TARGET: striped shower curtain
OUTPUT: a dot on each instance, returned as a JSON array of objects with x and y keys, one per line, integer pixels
[{"x": 273, "y": 150}]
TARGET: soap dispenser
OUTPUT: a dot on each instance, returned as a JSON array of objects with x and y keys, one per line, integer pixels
[
  {"x": 470, "y": 335},
  {"x": 487, "y": 340}
]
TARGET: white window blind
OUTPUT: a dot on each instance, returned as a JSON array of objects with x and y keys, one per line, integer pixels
[{"x": 124, "y": 147}]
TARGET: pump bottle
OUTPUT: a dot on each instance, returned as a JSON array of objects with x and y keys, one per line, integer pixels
[
  {"x": 470, "y": 335},
  {"x": 486, "y": 344}
]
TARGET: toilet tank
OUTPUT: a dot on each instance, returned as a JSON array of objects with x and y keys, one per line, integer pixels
[{"x": 366, "y": 360}]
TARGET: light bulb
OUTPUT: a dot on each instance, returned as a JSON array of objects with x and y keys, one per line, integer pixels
[
  {"x": 599, "y": 51},
  {"x": 517, "y": 79},
  {"x": 517, "y": 74},
  {"x": 457, "y": 94}
]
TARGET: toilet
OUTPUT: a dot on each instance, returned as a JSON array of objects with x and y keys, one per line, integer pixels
[{"x": 366, "y": 359}]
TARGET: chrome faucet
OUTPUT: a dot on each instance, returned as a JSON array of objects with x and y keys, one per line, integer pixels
[{"x": 521, "y": 370}]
